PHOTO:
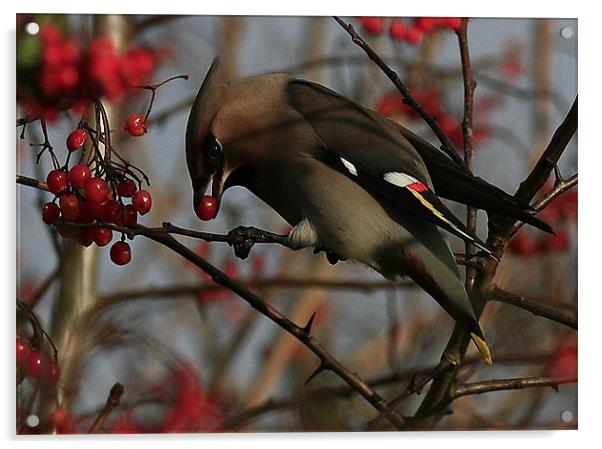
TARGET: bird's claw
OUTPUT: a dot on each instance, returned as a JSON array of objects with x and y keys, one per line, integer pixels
[{"x": 242, "y": 239}]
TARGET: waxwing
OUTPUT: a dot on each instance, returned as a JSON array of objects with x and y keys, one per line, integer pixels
[{"x": 350, "y": 181}]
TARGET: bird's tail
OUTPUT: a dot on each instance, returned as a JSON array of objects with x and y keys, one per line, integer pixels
[
  {"x": 479, "y": 340},
  {"x": 427, "y": 259}
]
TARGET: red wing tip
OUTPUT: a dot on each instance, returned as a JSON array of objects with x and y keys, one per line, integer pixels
[{"x": 417, "y": 186}]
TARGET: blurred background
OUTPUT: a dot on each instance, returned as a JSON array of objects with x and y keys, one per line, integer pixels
[{"x": 195, "y": 358}]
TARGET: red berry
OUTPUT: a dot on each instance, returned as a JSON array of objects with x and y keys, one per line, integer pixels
[
  {"x": 207, "y": 209},
  {"x": 68, "y": 232},
  {"x": 121, "y": 253},
  {"x": 230, "y": 268},
  {"x": 373, "y": 25},
  {"x": 101, "y": 236},
  {"x": 96, "y": 189},
  {"x": 522, "y": 244},
  {"x": 76, "y": 139},
  {"x": 559, "y": 242},
  {"x": 112, "y": 211},
  {"x": 414, "y": 35},
  {"x": 426, "y": 24},
  {"x": 397, "y": 30},
  {"x": 79, "y": 175},
  {"x": 454, "y": 23},
  {"x": 57, "y": 181},
  {"x": 54, "y": 373},
  {"x": 130, "y": 215},
  {"x": 83, "y": 237},
  {"x": 61, "y": 419},
  {"x": 36, "y": 365},
  {"x": 142, "y": 201},
  {"x": 69, "y": 207},
  {"x": 95, "y": 210},
  {"x": 126, "y": 188},
  {"x": 135, "y": 124},
  {"x": 258, "y": 263},
  {"x": 23, "y": 351},
  {"x": 50, "y": 213}
]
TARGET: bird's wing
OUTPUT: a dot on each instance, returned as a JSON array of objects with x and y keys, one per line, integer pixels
[
  {"x": 455, "y": 183},
  {"x": 374, "y": 154}
]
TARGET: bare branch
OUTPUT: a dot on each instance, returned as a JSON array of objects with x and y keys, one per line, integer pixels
[
  {"x": 30, "y": 182},
  {"x": 560, "y": 187},
  {"x": 538, "y": 309},
  {"x": 548, "y": 160},
  {"x": 112, "y": 401},
  {"x": 511, "y": 384},
  {"x": 467, "y": 130}
]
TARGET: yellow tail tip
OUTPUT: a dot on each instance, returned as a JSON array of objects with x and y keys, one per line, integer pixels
[{"x": 483, "y": 348}]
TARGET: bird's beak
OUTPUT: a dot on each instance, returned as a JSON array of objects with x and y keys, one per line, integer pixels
[{"x": 217, "y": 179}]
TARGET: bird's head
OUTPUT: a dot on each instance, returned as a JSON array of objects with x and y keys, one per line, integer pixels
[{"x": 226, "y": 133}]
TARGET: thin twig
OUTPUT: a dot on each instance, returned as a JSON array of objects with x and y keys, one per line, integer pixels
[
  {"x": 536, "y": 308},
  {"x": 560, "y": 187},
  {"x": 511, "y": 384},
  {"x": 467, "y": 130},
  {"x": 112, "y": 401},
  {"x": 30, "y": 182},
  {"x": 415, "y": 386}
]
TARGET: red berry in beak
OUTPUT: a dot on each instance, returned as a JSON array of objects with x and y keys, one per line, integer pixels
[{"x": 207, "y": 209}]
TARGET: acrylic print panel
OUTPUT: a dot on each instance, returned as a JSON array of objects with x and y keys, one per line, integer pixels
[{"x": 144, "y": 307}]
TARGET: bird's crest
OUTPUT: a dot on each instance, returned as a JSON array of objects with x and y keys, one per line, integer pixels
[{"x": 204, "y": 109}]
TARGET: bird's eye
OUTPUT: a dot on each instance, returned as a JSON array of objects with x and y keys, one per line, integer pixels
[{"x": 213, "y": 149}]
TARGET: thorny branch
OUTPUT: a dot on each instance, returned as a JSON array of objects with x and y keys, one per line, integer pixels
[
  {"x": 303, "y": 334},
  {"x": 344, "y": 391}
]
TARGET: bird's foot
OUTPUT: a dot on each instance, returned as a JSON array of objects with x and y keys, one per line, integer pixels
[{"x": 242, "y": 239}]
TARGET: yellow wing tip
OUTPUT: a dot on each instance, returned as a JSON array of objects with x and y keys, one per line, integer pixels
[{"x": 483, "y": 348}]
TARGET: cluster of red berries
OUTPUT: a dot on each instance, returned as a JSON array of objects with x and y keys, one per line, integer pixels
[
  {"x": 410, "y": 31},
  {"x": 36, "y": 364},
  {"x": 73, "y": 76},
  {"x": 86, "y": 199},
  {"x": 561, "y": 212}
]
